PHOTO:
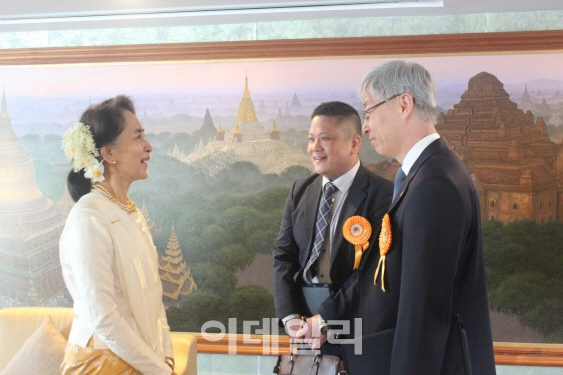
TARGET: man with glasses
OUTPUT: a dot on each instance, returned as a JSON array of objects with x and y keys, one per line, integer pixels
[
  {"x": 311, "y": 257},
  {"x": 427, "y": 273}
]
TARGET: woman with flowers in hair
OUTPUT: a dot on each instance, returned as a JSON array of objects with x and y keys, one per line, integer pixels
[{"x": 108, "y": 258}]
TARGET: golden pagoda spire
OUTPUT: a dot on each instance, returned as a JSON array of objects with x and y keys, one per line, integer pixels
[
  {"x": 246, "y": 111},
  {"x": 176, "y": 277},
  {"x": 237, "y": 129},
  {"x": 173, "y": 251},
  {"x": 246, "y": 93},
  {"x": 220, "y": 135},
  {"x": 274, "y": 134}
]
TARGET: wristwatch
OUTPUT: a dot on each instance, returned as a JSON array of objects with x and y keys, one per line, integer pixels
[
  {"x": 323, "y": 327},
  {"x": 170, "y": 362}
]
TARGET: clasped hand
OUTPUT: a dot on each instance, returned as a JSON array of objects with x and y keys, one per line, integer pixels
[{"x": 306, "y": 331}]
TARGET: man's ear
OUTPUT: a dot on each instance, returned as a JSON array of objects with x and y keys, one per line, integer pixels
[
  {"x": 356, "y": 143},
  {"x": 406, "y": 102}
]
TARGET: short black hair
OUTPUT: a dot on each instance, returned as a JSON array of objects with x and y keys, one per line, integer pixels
[{"x": 342, "y": 111}]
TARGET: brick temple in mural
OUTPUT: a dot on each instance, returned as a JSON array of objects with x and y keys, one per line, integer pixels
[
  {"x": 517, "y": 169},
  {"x": 30, "y": 224}
]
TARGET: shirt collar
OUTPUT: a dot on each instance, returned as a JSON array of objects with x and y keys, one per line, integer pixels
[
  {"x": 416, "y": 150},
  {"x": 344, "y": 182}
]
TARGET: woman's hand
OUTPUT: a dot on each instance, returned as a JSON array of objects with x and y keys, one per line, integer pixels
[{"x": 170, "y": 362}]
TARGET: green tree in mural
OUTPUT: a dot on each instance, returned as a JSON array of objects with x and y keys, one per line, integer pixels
[
  {"x": 293, "y": 173},
  {"x": 251, "y": 303},
  {"x": 519, "y": 293},
  {"x": 215, "y": 278},
  {"x": 198, "y": 307},
  {"x": 235, "y": 257},
  {"x": 524, "y": 266},
  {"x": 217, "y": 242},
  {"x": 552, "y": 326}
]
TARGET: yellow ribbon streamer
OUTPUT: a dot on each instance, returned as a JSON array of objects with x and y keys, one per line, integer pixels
[
  {"x": 359, "y": 251},
  {"x": 381, "y": 261}
]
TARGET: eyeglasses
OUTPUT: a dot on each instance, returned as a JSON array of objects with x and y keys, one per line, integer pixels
[{"x": 367, "y": 111}]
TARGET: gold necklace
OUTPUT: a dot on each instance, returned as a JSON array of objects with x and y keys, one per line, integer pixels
[{"x": 130, "y": 207}]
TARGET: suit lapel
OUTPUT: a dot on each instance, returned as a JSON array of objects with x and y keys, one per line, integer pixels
[
  {"x": 354, "y": 199},
  {"x": 312, "y": 199},
  {"x": 434, "y": 147}
]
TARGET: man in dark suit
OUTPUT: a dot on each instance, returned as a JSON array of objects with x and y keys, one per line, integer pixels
[
  {"x": 428, "y": 265},
  {"x": 311, "y": 257}
]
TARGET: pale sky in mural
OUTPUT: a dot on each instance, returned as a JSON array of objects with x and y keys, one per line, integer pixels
[{"x": 264, "y": 77}]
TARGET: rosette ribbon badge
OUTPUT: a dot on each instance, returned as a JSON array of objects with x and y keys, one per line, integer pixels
[
  {"x": 384, "y": 245},
  {"x": 357, "y": 231}
]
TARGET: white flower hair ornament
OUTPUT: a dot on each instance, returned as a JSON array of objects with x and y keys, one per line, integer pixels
[{"x": 79, "y": 146}]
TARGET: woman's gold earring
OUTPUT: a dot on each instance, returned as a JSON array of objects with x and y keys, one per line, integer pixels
[{"x": 114, "y": 162}]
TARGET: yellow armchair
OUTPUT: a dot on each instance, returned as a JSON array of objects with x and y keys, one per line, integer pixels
[{"x": 18, "y": 323}]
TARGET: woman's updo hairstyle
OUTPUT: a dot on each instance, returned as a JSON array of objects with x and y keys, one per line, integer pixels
[{"x": 106, "y": 123}]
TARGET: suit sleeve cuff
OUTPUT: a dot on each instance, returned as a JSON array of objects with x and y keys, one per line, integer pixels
[{"x": 292, "y": 316}]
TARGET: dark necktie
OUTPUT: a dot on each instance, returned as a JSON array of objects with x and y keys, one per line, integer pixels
[
  {"x": 399, "y": 178},
  {"x": 322, "y": 224}
]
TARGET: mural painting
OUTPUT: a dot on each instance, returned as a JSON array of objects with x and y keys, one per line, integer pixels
[{"x": 230, "y": 138}]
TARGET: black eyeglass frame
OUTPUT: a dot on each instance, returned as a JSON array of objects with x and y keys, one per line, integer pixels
[{"x": 365, "y": 114}]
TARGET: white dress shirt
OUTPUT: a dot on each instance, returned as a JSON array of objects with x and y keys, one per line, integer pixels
[
  {"x": 416, "y": 150},
  {"x": 102, "y": 310},
  {"x": 343, "y": 184}
]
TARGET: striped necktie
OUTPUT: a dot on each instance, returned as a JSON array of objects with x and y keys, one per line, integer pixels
[{"x": 322, "y": 224}]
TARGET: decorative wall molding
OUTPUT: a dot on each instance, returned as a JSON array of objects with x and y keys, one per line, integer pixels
[{"x": 417, "y": 45}]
